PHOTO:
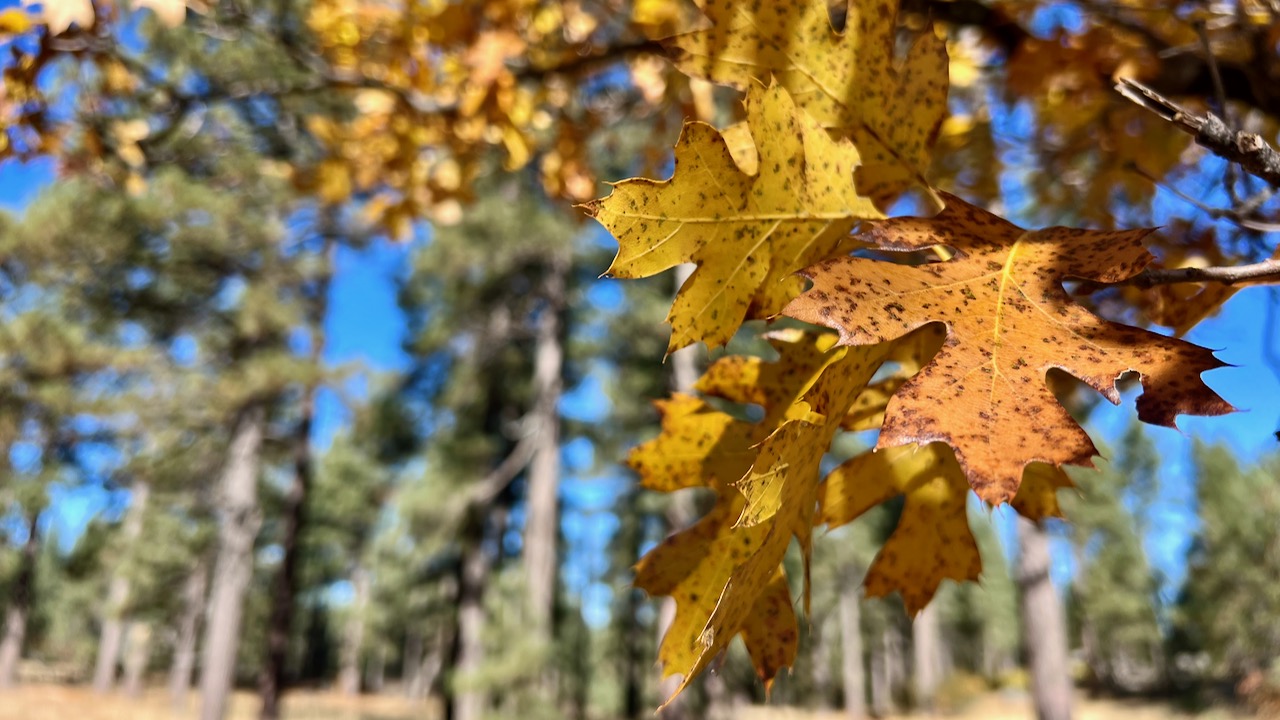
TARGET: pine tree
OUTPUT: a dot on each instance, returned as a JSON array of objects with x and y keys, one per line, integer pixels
[
  {"x": 1115, "y": 590},
  {"x": 1230, "y": 598}
]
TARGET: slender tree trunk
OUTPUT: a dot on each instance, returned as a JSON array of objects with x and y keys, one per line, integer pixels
[
  {"x": 819, "y": 656},
  {"x": 284, "y": 588},
  {"x": 468, "y": 702},
  {"x": 240, "y": 518},
  {"x": 926, "y": 649},
  {"x": 20, "y": 600},
  {"x": 542, "y": 519},
  {"x": 112, "y": 635},
  {"x": 137, "y": 653},
  {"x": 375, "y": 673},
  {"x": 855, "y": 706},
  {"x": 411, "y": 665},
  {"x": 632, "y": 640},
  {"x": 353, "y": 635},
  {"x": 184, "y": 649},
  {"x": 432, "y": 667},
  {"x": 1043, "y": 626},
  {"x": 881, "y": 684}
]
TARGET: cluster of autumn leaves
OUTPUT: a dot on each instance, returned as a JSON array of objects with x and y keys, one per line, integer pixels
[{"x": 959, "y": 341}]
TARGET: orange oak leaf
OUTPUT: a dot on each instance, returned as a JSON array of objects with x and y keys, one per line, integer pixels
[{"x": 1009, "y": 322}]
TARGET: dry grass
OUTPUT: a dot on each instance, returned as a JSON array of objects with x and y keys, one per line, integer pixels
[
  {"x": 62, "y": 702},
  {"x": 59, "y": 702},
  {"x": 1014, "y": 707}
]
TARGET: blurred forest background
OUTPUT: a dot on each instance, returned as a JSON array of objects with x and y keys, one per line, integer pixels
[{"x": 308, "y": 379}]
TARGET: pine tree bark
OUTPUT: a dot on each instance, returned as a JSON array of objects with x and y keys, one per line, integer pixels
[
  {"x": 542, "y": 518},
  {"x": 819, "y": 658},
  {"x": 851, "y": 675},
  {"x": 1043, "y": 626},
  {"x": 926, "y": 650},
  {"x": 239, "y": 520},
  {"x": 111, "y": 637},
  {"x": 137, "y": 653},
  {"x": 375, "y": 673},
  {"x": 19, "y": 609},
  {"x": 881, "y": 683},
  {"x": 413, "y": 656},
  {"x": 468, "y": 702},
  {"x": 353, "y": 635},
  {"x": 284, "y": 589},
  {"x": 184, "y": 649}
]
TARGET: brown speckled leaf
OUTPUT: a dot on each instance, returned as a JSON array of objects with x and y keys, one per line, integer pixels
[
  {"x": 748, "y": 234},
  {"x": 850, "y": 82},
  {"x": 1009, "y": 322}
]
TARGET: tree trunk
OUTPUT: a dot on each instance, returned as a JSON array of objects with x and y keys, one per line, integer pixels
[
  {"x": 819, "y": 652},
  {"x": 466, "y": 702},
  {"x": 375, "y": 673},
  {"x": 855, "y": 706},
  {"x": 411, "y": 664},
  {"x": 15, "y": 617},
  {"x": 1043, "y": 626},
  {"x": 112, "y": 635},
  {"x": 542, "y": 523},
  {"x": 240, "y": 518},
  {"x": 632, "y": 642},
  {"x": 353, "y": 635},
  {"x": 184, "y": 648},
  {"x": 284, "y": 588},
  {"x": 926, "y": 655},
  {"x": 881, "y": 684},
  {"x": 137, "y": 653}
]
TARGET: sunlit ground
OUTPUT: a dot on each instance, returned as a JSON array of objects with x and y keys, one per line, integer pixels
[{"x": 57, "y": 702}]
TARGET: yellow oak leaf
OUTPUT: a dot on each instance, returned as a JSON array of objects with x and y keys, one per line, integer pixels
[
  {"x": 1009, "y": 322},
  {"x": 1037, "y": 497},
  {"x": 698, "y": 447},
  {"x": 747, "y": 233},
  {"x": 724, "y": 570},
  {"x": 770, "y": 631},
  {"x": 14, "y": 21},
  {"x": 851, "y": 82},
  {"x": 911, "y": 354},
  {"x": 932, "y": 541}
]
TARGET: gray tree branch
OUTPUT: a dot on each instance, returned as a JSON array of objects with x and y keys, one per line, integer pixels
[{"x": 1250, "y": 151}]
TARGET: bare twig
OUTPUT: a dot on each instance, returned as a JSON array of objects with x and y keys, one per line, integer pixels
[
  {"x": 1253, "y": 153},
  {"x": 1262, "y": 273},
  {"x": 1220, "y": 97}
]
